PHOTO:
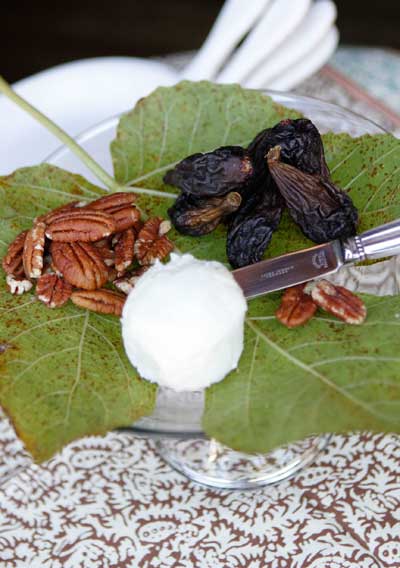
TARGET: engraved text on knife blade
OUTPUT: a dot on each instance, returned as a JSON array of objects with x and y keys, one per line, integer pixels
[{"x": 275, "y": 273}]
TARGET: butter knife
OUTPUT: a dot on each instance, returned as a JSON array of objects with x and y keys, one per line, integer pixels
[{"x": 315, "y": 262}]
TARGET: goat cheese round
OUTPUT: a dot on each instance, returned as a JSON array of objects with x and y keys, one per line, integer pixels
[{"x": 183, "y": 323}]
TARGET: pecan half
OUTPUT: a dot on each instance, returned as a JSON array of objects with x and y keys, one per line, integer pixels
[
  {"x": 55, "y": 213},
  {"x": 113, "y": 201},
  {"x": 53, "y": 290},
  {"x": 32, "y": 256},
  {"x": 124, "y": 250},
  {"x": 106, "y": 252},
  {"x": 125, "y": 218},
  {"x": 18, "y": 285},
  {"x": 12, "y": 262},
  {"x": 296, "y": 307},
  {"x": 120, "y": 206},
  {"x": 138, "y": 226},
  {"x": 127, "y": 282},
  {"x": 102, "y": 301},
  {"x": 81, "y": 224},
  {"x": 80, "y": 264},
  {"x": 112, "y": 274},
  {"x": 152, "y": 244},
  {"x": 338, "y": 301}
]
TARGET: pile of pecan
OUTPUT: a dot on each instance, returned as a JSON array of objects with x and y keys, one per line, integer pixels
[
  {"x": 299, "y": 304},
  {"x": 90, "y": 253}
]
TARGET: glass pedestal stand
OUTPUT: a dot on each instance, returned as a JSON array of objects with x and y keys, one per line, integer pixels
[
  {"x": 210, "y": 463},
  {"x": 175, "y": 426}
]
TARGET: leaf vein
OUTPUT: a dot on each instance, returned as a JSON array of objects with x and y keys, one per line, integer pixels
[
  {"x": 78, "y": 369},
  {"x": 305, "y": 367},
  {"x": 8, "y": 310},
  {"x": 349, "y": 155},
  {"x": 347, "y": 358},
  {"x": 128, "y": 378},
  {"x": 43, "y": 324},
  {"x": 249, "y": 381},
  {"x": 379, "y": 189},
  {"x": 365, "y": 170}
]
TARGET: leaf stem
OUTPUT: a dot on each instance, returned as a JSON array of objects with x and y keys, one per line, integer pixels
[
  {"x": 97, "y": 170},
  {"x": 68, "y": 141},
  {"x": 146, "y": 191}
]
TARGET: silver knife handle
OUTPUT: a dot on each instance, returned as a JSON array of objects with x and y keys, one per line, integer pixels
[{"x": 376, "y": 243}]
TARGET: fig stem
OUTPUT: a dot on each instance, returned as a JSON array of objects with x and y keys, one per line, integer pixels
[{"x": 110, "y": 183}]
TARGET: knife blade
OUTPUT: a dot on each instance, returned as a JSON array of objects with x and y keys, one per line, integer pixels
[
  {"x": 304, "y": 265},
  {"x": 289, "y": 269}
]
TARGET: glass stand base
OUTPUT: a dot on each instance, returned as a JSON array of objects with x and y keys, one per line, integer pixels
[{"x": 210, "y": 463}]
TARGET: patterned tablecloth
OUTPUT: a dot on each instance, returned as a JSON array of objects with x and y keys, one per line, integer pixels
[{"x": 112, "y": 502}]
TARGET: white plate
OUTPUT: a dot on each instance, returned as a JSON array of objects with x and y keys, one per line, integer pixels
[{"x": 75, "y": 95}]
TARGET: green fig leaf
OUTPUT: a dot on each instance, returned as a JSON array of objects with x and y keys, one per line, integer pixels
[{"x": 327, "y": 376}]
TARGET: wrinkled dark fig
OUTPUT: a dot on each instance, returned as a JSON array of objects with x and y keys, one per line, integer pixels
[
  {"x": 198, "y": 216},
  {"x": 216, "y": 173},
  {"x": 250, "y": 230},
  {"x": 323, "y": 211},
  {"x": 300, "y": 142}
]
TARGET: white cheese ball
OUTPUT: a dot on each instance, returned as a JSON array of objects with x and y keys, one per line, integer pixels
[{"x": 183, "y": 323}]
